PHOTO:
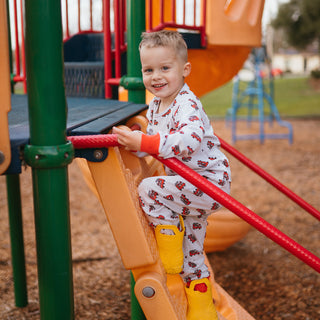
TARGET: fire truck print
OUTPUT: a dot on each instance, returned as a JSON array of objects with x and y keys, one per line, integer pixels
[
  {"x": 167, "y": 113},
  {"x": 196, "y": 225},
  {"x": 185, "y": 200},
  {"x": 210, "y": 144},
  {"x": 153, "y": 194},
  {"x": 194, "y": 104},
  {"x": 180, "y": 185},
  {"x": 197, "y": 192},
  {"x": 175, "y": 149},
  {"x": 183, "y": 92},
  {"x": 186, "y": 159},
  {"x": 215, "y": 206},
  {"x": 193, "y": 118},
  {"x": 160, "y": 182},
  {"x": 192, "y": 238},
  {"x": 221, "y": 182},
  {"x": 190, "y": 150},
  {"x": 198, "y": 273},
  {"x": 192, "y": 264},
  {"x": 141, "y": 202},
  {"x": 151, "y": 224},
  {"x": 202, "y": 164},
  {"x": 169, "y": 197},
  {"x": 195, "y": 136},
  {"x": 202, "y": 212},
  {"x": 226, "y": 176},
  {"x": 193, "y": 252},
  {"x": 226, "y": 163},
  {"x": 185, "y": 211}
]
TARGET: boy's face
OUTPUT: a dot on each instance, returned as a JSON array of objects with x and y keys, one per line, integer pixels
[{"x": 163, "y": 72}]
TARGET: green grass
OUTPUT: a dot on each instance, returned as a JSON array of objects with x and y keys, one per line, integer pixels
[{"x": 293, "y": 97}]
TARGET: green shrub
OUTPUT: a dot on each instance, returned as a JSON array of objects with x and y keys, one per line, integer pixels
[{"x": 315, "y": 74}]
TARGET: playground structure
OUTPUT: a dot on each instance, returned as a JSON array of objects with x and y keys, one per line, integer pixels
[
  {"x": 253, "y": 91},
  {"x": 52, "y": 167}
]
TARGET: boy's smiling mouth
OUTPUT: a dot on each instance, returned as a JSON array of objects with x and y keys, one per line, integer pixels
[{"x": 159, "y": 86}]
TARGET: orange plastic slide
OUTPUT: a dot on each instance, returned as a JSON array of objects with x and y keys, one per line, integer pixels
[
  {"x": 5, "y": 92},
  {"x": 233, "y": 27}
]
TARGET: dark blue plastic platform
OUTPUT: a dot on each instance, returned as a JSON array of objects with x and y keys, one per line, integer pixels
[{"x": 85, "y": 116}]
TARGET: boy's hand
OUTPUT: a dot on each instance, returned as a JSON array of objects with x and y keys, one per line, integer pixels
[{"x": 131, "y": 140}]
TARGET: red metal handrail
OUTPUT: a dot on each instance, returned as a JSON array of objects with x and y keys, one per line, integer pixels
[
  {"x": 270, "y": 179},
  {"x": 110, "y": 140}
]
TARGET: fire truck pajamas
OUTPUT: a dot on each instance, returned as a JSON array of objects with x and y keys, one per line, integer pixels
[
  {"x": 183, "y": 131},
  {"x": 164, "y": 198}
]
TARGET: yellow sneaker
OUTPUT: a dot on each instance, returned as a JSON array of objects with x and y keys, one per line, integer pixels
[
  {"x": 200, "y": 304},
  {"x": 170, "y": 247}
]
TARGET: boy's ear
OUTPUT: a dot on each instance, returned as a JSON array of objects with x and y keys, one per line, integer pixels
[{"x": 186, "y": 69}]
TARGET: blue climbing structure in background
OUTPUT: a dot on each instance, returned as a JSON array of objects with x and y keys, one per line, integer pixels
[{"x": 253, "y": 100}]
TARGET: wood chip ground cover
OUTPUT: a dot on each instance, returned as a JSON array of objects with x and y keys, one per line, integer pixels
[{"x": 264, "y": 278}]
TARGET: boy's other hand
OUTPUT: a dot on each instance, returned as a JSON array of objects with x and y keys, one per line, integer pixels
[{"x": 131, "y": 140}]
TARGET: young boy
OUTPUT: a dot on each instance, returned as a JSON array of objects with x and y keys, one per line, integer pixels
[{"x": 178, "y": 127}]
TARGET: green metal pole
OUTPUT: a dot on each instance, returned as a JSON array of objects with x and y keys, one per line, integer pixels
[
  {"x": 48, "y": 154},
  {"x": 135, "y": 26},
  {"x": 15, "y": 218},
  {"x": 16, "y": 236},
  {"x": 136, "y": 91}
]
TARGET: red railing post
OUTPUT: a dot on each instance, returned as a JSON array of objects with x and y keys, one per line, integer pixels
[
  {"x": 107, "y": 48},
  {"x": 23, "y": 56}
]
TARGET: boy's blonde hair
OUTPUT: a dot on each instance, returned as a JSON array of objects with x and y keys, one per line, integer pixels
[{"x": 165, "y": 38}]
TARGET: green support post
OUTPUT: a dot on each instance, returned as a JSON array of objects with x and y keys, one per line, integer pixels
[
  {"x": 136, "y": 91},
  {"x": 135, "y": 26},
  {"x": 15, "y": 218},
  {"x": 16, "y": 237},
  {"x": 48, "y": 154}
]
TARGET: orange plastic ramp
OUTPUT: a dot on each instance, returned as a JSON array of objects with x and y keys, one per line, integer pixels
[
  {"x": 116, "y": 186},
  {"x": 5, "y": 92},
  {"x": 161, "y": 296}
]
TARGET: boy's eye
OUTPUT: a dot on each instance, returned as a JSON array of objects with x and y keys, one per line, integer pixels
[
  {"x": 147, "y": 70},
  {"x": 165, "y": 68}
]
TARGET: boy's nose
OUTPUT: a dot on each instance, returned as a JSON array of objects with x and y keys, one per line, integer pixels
[{"x": 156, "y": 75}]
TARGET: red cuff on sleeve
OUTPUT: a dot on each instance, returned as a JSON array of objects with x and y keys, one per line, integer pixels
[{"x": 150, "y": 143}]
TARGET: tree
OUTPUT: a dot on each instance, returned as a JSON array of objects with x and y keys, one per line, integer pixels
[{"x": 300, "y": 21}]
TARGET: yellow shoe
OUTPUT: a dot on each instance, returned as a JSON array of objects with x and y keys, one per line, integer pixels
[
  {"x": 200, "y": 304},
  {"x": 170, "y": 247}
]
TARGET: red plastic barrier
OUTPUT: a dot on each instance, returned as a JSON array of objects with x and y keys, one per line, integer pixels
[{"x": 110, "y": 140}]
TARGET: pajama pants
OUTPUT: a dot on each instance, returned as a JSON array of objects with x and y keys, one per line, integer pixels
[{"x": 164, "y": 198}]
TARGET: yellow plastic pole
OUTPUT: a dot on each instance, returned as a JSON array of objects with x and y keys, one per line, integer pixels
[{"x": 5, "y": 91}]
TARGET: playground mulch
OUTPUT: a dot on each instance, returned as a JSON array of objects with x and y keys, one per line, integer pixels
[{"x": 264, "y": 278}]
